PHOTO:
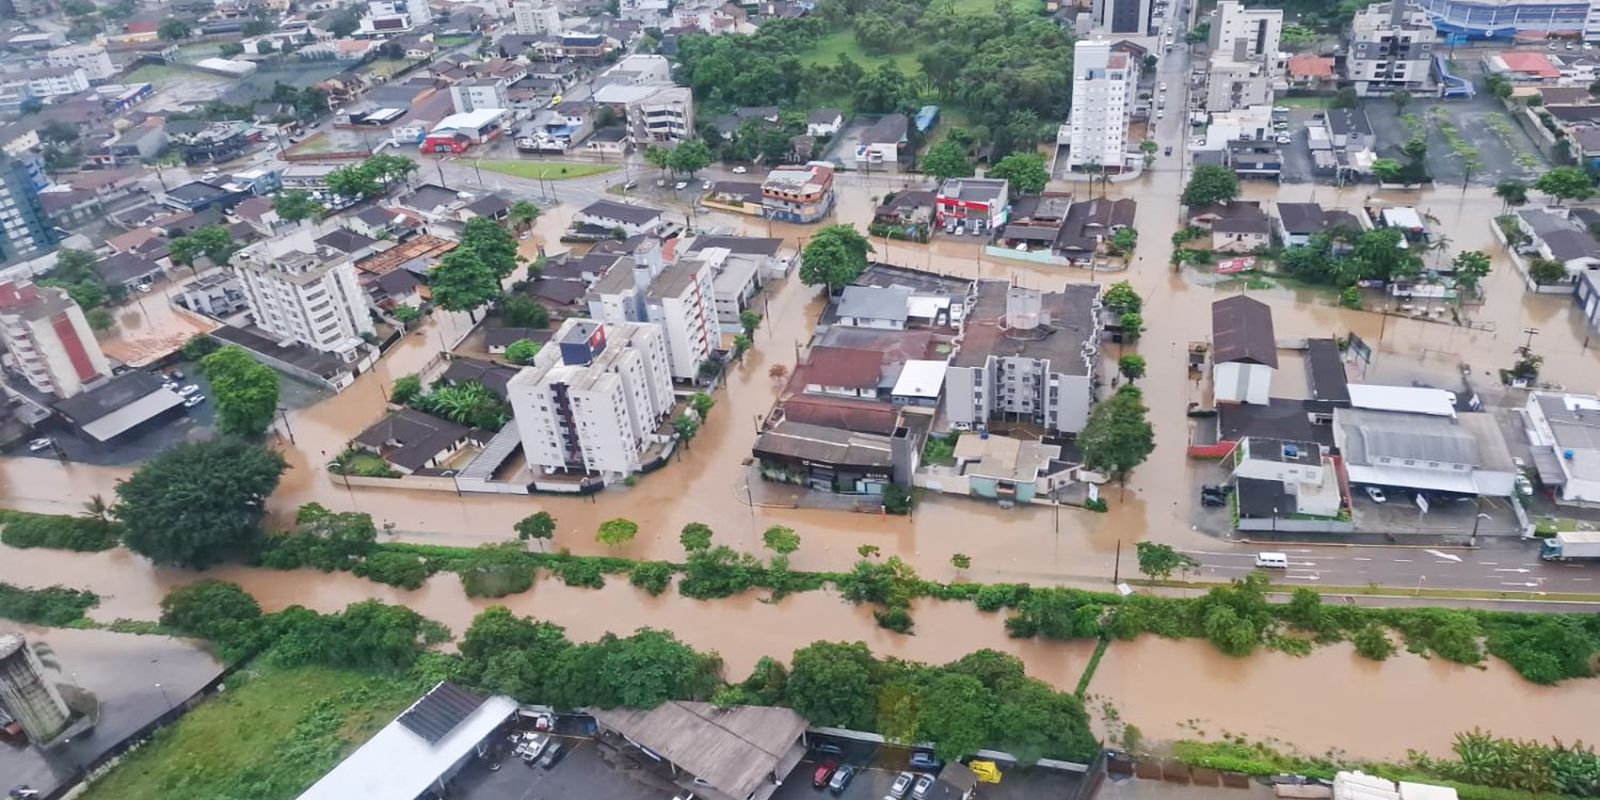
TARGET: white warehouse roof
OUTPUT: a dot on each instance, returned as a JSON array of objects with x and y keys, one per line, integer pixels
[
  {"x": 921, "y": 378},
  {"x": 1409, "y": 399}
]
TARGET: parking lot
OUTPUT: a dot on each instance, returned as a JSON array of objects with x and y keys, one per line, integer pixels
[
  {"x": 1454, "y": 129},
  {"x": 879, "y": 765},
  {"x": 585, "y": 774},
  {"x": 1401, "y": 515}
]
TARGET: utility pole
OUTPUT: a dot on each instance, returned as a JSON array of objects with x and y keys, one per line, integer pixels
[{"x": 1116, "y": 569}]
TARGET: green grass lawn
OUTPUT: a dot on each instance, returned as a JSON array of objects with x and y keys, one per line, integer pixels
[
  {"x": 162, "y": 75},
  {"x": 1302, "y": 102},
  {"x": 267, "y": 737},
  {"x": 827, "y": 50},
  {"x": 385, "y": 66},
  {"x": 548, "y": 170}
]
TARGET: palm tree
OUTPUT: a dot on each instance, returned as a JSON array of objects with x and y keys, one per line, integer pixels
[
  {"x": 97, "y": 508},
  {"x": 1511, "y": 193}
]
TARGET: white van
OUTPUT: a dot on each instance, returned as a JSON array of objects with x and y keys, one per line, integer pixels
[{"x": 1272, "y": 560}]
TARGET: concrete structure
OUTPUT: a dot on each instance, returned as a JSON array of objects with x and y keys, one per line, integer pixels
[
  {"x": 1564, "y": 431},
  {"x": 25, "y": 229},
  {"x": 1244, "y": 351},
  {"x": 305, "y": 293},
  {"x": 1309, "y": 481},
  {"x": 91, "y": 58},
  {"x": 1506, "y": 19},
  {"x": 1129, "y": 17},
  {"x": 1466, "y": 455},
  {"x": 215, "y": 294},
  {"x": 48, "y": 340},
  {"x": 1103, "y": 90},
  {"x": 536, "y": 18},
  {"x": 1391, "y": 49},
  {"x": 1027, "y": 356},
  {"x": 1006, "y": 468},
  {"x": 1253, "y": 34},
  {"x": 42, "y": 82},
  {"x": 595, "y": 398},
  {"x": 717, "y": 753},
  {"x": 27, "y": 694},
  {"x": 648, "y": 13},
  {"x": 881, "y": 143},
  {"x": 975, "y": 203},
  {"x": 798, "y": 193},
  {"x": 679, "y": 297},
  {"x": 479, "y": 93}
]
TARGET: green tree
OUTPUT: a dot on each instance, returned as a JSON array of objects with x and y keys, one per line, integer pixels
[
  {"x": 230, "y": 49},
  {"x": 212, "y": 241},
  {"x": 1117, "y": 436},
  {"x": 702, "y": 403},
  {"x": 100, "y": 319},
  {"x": 1149, "y": 148},
  {"x": 954, "y": 713},
  {"x": 1122, "y": 298},
  {"x": 749, "y": 321},
  {"x": 781, "y": 540},
  {"x": 246, "y": 391},
  {"x": 1159, "y": 561},
  {"x": 1379, "y": 254},
  {"x": 1210, "y": 184},
  {"x": 461, "y": 281},
  {"x": 355, "y": 180},
  {"x": 686, "y": 426},
  {"x": 834, "y": 258},
  {"x": 405, "y": 389},
  {"x": 1132, "y": 323},
  {"x": 690, "y": 157},
  {"x": 659, "y": 157},
  {"x": 539, "y": 526},
  {"x": 1511, "y": 193},
  {"x": 1025, "y": 171},
  {"x": 295, "y": 205},
  {"x": 961, "y": 561},
  {"x": 522, "y": 311},
  {"x": 946, "y": 160},
  {"x": 522, "y": 214},
  {"x": 1472, "y": 266},
  {"x": 1346, "y": 98},
  {"x": 198, "y": 502},
  {"x": 172, "y": 30},
  {"x": 1566, "y": 183},
  {"x": 1388, "y": 170},
  {"x": 1131, "y": 366},
  {"x": 1547, "y": 271},
  {"x": 695, "y": 536},
  {"x": 468, "y": 403},
  {"x": 213, "y": 610},
  {"x": 617, "y": 532},
  {"x": 830, "y": 684},
  {"x": 1123, "y": 241},
  {"x": 522, "y": 351},
  {"x": 491, "y": 243}
]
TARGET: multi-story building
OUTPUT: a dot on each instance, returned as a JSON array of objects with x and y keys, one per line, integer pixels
[
  {"x": 798, "y": 193},
  {"x": 1251, "y": 34},
  {"x": 1026, "y": 356},
  {"x": 1506, "y": 19},
  {"x": 1131, "y": 17},
  {"x": 1391, "y": 50},
  {"x": 980, "y": 204},
  {"x": 649, "y": 13},
  {"x": 25, "y": 227},
  {"x": 479, "y": 93},
  {"x": 536, "y": 18},
  {"x": 1232, "y": 84},
  {"x": 595, "y": 399},
  {"x": 306, "y": 293},
  {"x": 45, "y": 81},
  {"x": 91, "y": 58},
  {"x": 48, "y": 340},
  {"x": 679, "y": 297},
  {"x": 1103, "y": 90},
  {"x": 665, "y": 115}
]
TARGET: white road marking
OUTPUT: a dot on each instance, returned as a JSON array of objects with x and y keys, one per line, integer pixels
[
  {"x": 1360, "y": 558},
  {"x": 1502, "y": 583},
  {"x": 1311, "y": 577},
  {"x": 1402, "y": 561},
  {"x": 1445, "y": 556},
  {"x": 1583, "y": 579},
  {"x": 1512, "y": 569}
]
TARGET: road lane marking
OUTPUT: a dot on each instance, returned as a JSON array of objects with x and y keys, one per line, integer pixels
[
  {"x": 1446, "y": 556},
  {"x": 1360, "y": 558},
  {"x": 1512, "y": 569},
  {"x": 1402, "y": 561},
  {"x": 1489, "y": 563}
]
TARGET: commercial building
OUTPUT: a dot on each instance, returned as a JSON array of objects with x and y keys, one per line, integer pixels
[
  {"x": 798, "y": 193},
  {"x": 305, "y": 293},
  {"x": 45, "y": 82},
  {"x": 979, "y": 204},
  {"x": 536, "y": 18},
  {"x": 1303, "y": 477},
  {"x": 1130, "y": 17},
  {"x": 1391, "y": 50},
  {"x": 1564, "y": 430},
  {"x": 829, "y": 459},
  {"x": 127, "y": 404},
  {"x": 1103, "y": 90},
  {"x": 1465, "y": 454},
  {"x": 1026, "y": 356},
  {"x": 48, "y": 340},
  {"x": 679, "y": 297},
  {"x": 1509, "y": 19},
  {"x": 1244, "y": 350},
  {"x": 91, "y": 58},
  {"x": 595, "y": 399},
  {"x": 479, "y": 93},
  {"x": 25, "y": 228}
]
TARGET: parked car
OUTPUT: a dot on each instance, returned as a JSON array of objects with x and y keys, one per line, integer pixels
[
  {"x": 925, "y": 759},
  {"x": 824, "y": 773},
  {"x": 176, "y": 375},
  {"x": 740, "y": 170},
  {"x": 1376, "y": 494},
  {"x": 901, "y": 785},
  {"x": 1221, "y": 488},
  {"x": 41, "y": 444},
  {"x": 841, "y": 779},
  {"x": 194, "y": 400},
  {"x": 1169, "y": 149},
  {"x": 188, "y": 390},
  {"x": 1212, "y": 500},
  {"x": 553, "y": 755},
  {"x": 920, "y": 791},
  {"x": 825, "y": 750},
  {"x": 705, "y": 185}
]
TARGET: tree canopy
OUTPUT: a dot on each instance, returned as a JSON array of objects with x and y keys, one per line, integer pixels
[
  {"x": 1026, "y": 172},
  {"x": 835, "y": 257},
  {"x": 294, "y": 205},
  {"x": 461, "y": 281},
  {"x": 245, "y": 390},
  {"x": 945, "y": 160},
  {"x": 1210, "y": 184},
  {"x": 1159, "y": 561},
  {"x": 1117, "y": 436},
  {"x": 1566, "y": 183},
  {"x": 198, "y": 503}
]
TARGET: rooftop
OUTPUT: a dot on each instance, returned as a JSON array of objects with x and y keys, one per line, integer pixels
[
  {"x": 842, "y": 367},
  {"x": 829, "y": 411},
  {"x": 622, "y": 212},
  {"x": 975, "y": 190},
  {"x": 1241, "y": 331},
  {"x": 410, "y": 438},
  {"x": 1067, "y": 328},
  {"x": 735, "y": 750},
  {"x": 1004, "y": 458},
  {"x": 873, "y": 302},
  {"x": 1325, "y": 372},
  {"x": 825, "y": 445},
  {"x": 748, "y": 245},
  {"x": 114, "y": 407}
]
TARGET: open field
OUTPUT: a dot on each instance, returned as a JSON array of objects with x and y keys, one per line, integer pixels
[
  {"x": 843, "y": 42},
  {"x": 546, "y": 170}
]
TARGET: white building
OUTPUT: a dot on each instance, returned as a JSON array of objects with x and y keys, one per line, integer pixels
[
  {"x": 479, "y": 93},
  {"x": 45, "y": 81},
  {"x": 1103, "y": 90},
  {"x": 1308, "y": 479},
  {"x": 650, "y": 13},
  {"x": 1564, "y": 430},
  {"x": 1391, "y": 49},
  {"x": 48, "y": 340},
  {"x": 1254, "y": 34},
  {"x": 595, "y": 398},
  {"x": 1025, "y": 356},
  {"x": 632, "y": 220},
  {"x": 1244, "y": 350},
  {"x": 92, "y": 59},
  {"x": 536, "y": 18},
  {"x": 1464, "y": 455},
  {"x": 679, "y": 297},
  {"x": 305, "y": 293}
]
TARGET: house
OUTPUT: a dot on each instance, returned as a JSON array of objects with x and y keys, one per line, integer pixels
[
  {"x": 829, "y": 459},
  {"x": 1297, "y": 222},
  {"x": 882, "y": 142},
  {"x": 1309, "y": 71},
  {"x": 824, "y": 122},
  {"x": 798, "y": 194},
  {"x": 199, "y": 195},
  {"x": 1564, "y": 431},
  {"x": 129, "y": 270},
  {"x": 1522, "y": 66},
  {"x": 873, "y": 307},
  {"x": 978, "y": 204},
  {"x": 124, "y": 405},
  {"x": 740, "y": 752},
  {"x": 608, "y": 216},
  {"x": 1555, "y": 236},
  {"x": 409, "y": 440},
  {"x": 1349, "y": 129},
  {"x": 1237, "y": 227},
  {"x": 496, "y": 339},
  {"x": 1255, "y": 159},
  {"x": 1306, "y": 478},
  {"x": 1244, "y": 350},
  {"x": 376, "y": 222},
  {"x": 841, "y": 372},
  {"x": 215, "y": 294},
  {"x": 608, "y": 142},
  {"x": 490, "y": 375},
  {"x": 262, "y": 215},
  {"x": 956, "y": 781},
  {"x": 1087, "y": 225},
  {"x": 1004, "y": 468}
]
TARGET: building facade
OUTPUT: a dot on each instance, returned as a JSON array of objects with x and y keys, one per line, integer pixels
[
  {"x": 1391, "y": 50},
  {"x": 305, "y": 293},
  {"x": 536, "y": 18},
  {"x": 25, "y": 227},
  {"x": 1103, "y": 89},
  {"x": 1258, "y": 30},
  {"x": 1131, "y": 17},
  {"x": 679, "y": 297},
  {"x": 799, "y": 193},
  {"x": 595, "y": 399},
  {"x": 479, "y": 93},
  {"x": 48, "y": 340},
  {"x": 91, "y": 58}
]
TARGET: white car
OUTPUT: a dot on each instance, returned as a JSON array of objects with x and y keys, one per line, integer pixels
[
  {"x": 680, "y": 185},
  {"x": 142, "y": 288},
  {"x": 1376, "y": 494},
  {"x": 924, "y": 785},
  {"x": 188, "y": 390},
  {"x": 40, "y": 444},
  {"x": 902, "y": 784},
  {"x": 1284, "y": 138},
  {"x": 705, "y": 185},
  {"x": 194, "y": 400},
  {"x": 1163, "y": 87},
  {"x": 740, "y": 170}
]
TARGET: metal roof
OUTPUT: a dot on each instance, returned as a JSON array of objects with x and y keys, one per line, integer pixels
[
  {"x": 734, "y": 750},
  {"x": 1241, "y": 331}
]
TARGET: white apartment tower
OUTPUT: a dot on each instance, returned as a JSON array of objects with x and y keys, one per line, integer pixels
[
  {"x": 305, "y": 293},
  {"x": 1247, "y": 34},
  {"x": 91, "y": 58},
  {"x": 678, "y": 297},
  {"x": 48, "y": 340},
  {"x": 1103, "y": 89},
  {"x": 536, "y": 18},
  {"x": 595, "y": 398}
]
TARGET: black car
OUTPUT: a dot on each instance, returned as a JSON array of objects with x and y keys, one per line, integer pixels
[
  {"x": 1213, "y": 500},
  {"x": 841, "y": 779},
  {"x": 553, "y": 755}
]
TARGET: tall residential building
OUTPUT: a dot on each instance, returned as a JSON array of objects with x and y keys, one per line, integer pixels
[
  {"x": 48, "y": 340},
  {"x": 1247, "y": 34},
  {"x": 91, "y": 58},
  {"x": 1025, "y": 356},
  {"x": 536, "y": 18},
  {"x": 1103, "y": 89},
  {"x": 649, "y": 13},
  {"x": 595, "y": 398},
  {"x": 25, "y": 228},
  {"x": 679, "y": 297},
  {"x": 1391, "y": 49},
  {"x": 304, "y": 292},
  {"x": 1131, "y": 17},
  {"x": 475, "y": 94}
]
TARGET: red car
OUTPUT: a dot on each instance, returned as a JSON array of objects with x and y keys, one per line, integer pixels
[{"x": 824, "y": 772}]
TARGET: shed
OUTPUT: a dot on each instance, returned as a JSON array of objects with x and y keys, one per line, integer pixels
[{"x": 733, "y": 753}]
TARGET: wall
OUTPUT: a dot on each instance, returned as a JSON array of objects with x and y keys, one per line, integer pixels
[
  {"x": 1296, "y": 525},
  {"x": 1072, "y": 404},
  {"x": 1033, "y": 256}
]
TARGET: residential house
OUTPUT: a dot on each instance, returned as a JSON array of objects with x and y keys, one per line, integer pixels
[
  {"x": 410, "y": 441},
  {"x": 976, "y": 204},
  {"x": 883, "y": 141},
  {"x": 1304, "y": 477},
  {"x": 129, "y": 270},
  {"x": 798, "y": 194},
  {"x": 1008, "y": 469},
  {"x": 1237, "y": 227},
  {"x": 1298, "y": 222},
  {"x": 1557, "y": 237},
  {"x": 824, "y": 122},
  {"x": 873, "y": 307},
  {"x": 1244, "y": 350},
  {"x": 1310, "y": 71},
  {"x": 1089, "y": 224},
  {"x": 215, "y": 294},
  {"x": 607, "y": 216}
]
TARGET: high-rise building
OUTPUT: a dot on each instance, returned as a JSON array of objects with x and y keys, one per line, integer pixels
[
  {"x": 1103, "y": 90},
  {"x": 48, "y": 340},
  {"x": 1391, "y": 50},
  {"x": 678, "y": 297},
  {"x": 1260, "y": 30},
  {"x": 304, "y": 292},
  {"x": 25, "y": 228},
  {"x": 595, "y": 398},
  {"x": 536, "y": 17},
  {"x": 1131, "y": 17},
  {"x": 27, "y": 694},
  {"x": 91, "y": 58}
]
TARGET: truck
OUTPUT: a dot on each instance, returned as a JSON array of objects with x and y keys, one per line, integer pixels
[{"x": 1572, "y": 546}]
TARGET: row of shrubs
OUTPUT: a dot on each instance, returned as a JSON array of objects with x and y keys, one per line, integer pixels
[{"x": 84, "y": 534}]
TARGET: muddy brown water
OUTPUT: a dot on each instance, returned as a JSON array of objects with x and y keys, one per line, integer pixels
[{"x": 1148, "y": 678}]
